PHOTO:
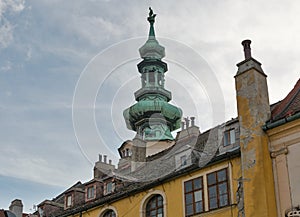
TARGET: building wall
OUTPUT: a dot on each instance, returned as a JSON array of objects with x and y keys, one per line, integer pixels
[
  {"x": 285, "y": 152},
  {"x": 172, "y": 192}
]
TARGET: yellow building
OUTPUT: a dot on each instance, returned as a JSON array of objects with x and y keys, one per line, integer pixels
[
  {"x": 225, "y": 171},
  {"x": 283, "y": 130}
]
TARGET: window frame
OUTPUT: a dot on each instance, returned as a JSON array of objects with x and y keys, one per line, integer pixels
[
  {"x": 193, "y": 195},
  {"x": 204, "y": 175},
  {"x": 157, "y": 206},
  {"x": 183, "y": 160},
  {"x": 217, "y": 184},
  {"x": 67, "y": 200},
  {"x": 109, "y": 213},
  {"x": 227, "y": 137},
  {"x": 109, "y": 187},
  {"x": 87, "y": 192}
]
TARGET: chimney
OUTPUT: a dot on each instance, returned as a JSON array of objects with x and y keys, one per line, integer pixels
[
  {"x": 253, "y": 111},
  {"x": 192, "y": 121},
  {"x": 105, "y": 158},
  {"x": 247, "y": 49},
  {"x": 182, "y": 125},
  {"x": 16, "y": 207},
  {"x": 187, "y": 122},
  {"x": 100, "y": 158}
]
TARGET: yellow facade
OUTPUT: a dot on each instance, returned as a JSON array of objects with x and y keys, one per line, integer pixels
[
  {"x": 173, "y": 195},
  {"x": 285, "y": 149}
]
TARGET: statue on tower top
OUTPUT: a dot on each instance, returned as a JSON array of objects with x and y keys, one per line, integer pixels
[{"x": 151, "y": 17}]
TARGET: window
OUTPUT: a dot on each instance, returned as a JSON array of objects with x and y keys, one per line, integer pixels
[
  {"x": 109, "y": 187},
  {"x": 109, "y": 213},
  {"x": 183, "y": 160},
  {"x": 193, "y": 195},
  {"x": 154, "y": 207},
  {"x": 69, "y": 201},
  {"x": 218, "y": 193},
  {"x": 229, "y": 137},
  {"x": 151, "y": 77},
  {"x": 91, "y": 192},
  {"x": 128, "y": 152}
]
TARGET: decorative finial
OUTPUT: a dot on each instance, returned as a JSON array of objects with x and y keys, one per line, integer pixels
[
  {"x": 247, "y": 49},
  {"x": 151, "y": 17}
]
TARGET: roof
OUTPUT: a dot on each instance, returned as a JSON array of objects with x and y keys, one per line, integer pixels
[
  {"x": 77, "y": 184},
  {"x": 6, "y": 213},
  {"x": 201, "y": 149},
  {"x": 136, "y": 187},
  {"x": 289, "y": 106},
  {"x": 2, "y": 213}
]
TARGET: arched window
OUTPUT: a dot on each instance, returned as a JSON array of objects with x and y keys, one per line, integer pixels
[
  {"x": 155, "y": 206},
  {"x": 109, "y": 213}
]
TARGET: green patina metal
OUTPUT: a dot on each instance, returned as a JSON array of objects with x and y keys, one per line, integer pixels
[{"x": 152, "y": 117}]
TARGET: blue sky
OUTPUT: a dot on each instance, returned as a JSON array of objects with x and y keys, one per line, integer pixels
[{"x": 48, "y": 48}]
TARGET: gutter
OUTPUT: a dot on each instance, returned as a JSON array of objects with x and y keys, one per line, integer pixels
[{"x": 280, "y": 122}]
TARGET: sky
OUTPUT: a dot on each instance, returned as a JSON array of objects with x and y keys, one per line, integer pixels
[{"x": 68, "y": 70}]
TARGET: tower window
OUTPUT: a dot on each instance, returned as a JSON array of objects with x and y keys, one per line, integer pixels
[{"x": 151, "y": 77}]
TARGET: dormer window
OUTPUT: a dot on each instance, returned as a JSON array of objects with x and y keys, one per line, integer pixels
[
  {"x": 90, "y": 192},
  {"x": 128, "y": 152},
  {"x": 69, "y": 200},
  {"x": 109, "y": 187},
  {"x": 183, "y": 160},
  {"x": 229, "y": 137}
]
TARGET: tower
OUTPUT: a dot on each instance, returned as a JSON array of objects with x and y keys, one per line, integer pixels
[{"x": 152, "y": 117}]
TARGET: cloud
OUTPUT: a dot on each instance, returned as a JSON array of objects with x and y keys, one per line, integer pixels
[{"x": 8, "y": 8}]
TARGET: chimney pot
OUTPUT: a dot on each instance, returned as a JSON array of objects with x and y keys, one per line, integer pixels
[
  {"x": 105, "y": 158},
  {"x": 187, "y": 122},
  {"x": 247, "y": 49},
  {"x": 193, "y": 121},
  {"x": 100, "y": 158},
  {"x": 182, "y": 125},
  {"x": 109, "y": 162}
]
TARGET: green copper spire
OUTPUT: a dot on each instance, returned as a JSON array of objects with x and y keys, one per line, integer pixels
[
  {"x": 152, "y": 117},
  {"x": 152, "y": 49}
]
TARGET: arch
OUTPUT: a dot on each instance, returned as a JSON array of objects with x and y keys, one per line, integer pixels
[
  {"x": 150, "y": 196},
  {"x": 106, "y": 210}
]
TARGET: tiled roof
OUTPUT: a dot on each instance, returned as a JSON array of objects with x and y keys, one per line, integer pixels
[{"x": 289, "y": 105}]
